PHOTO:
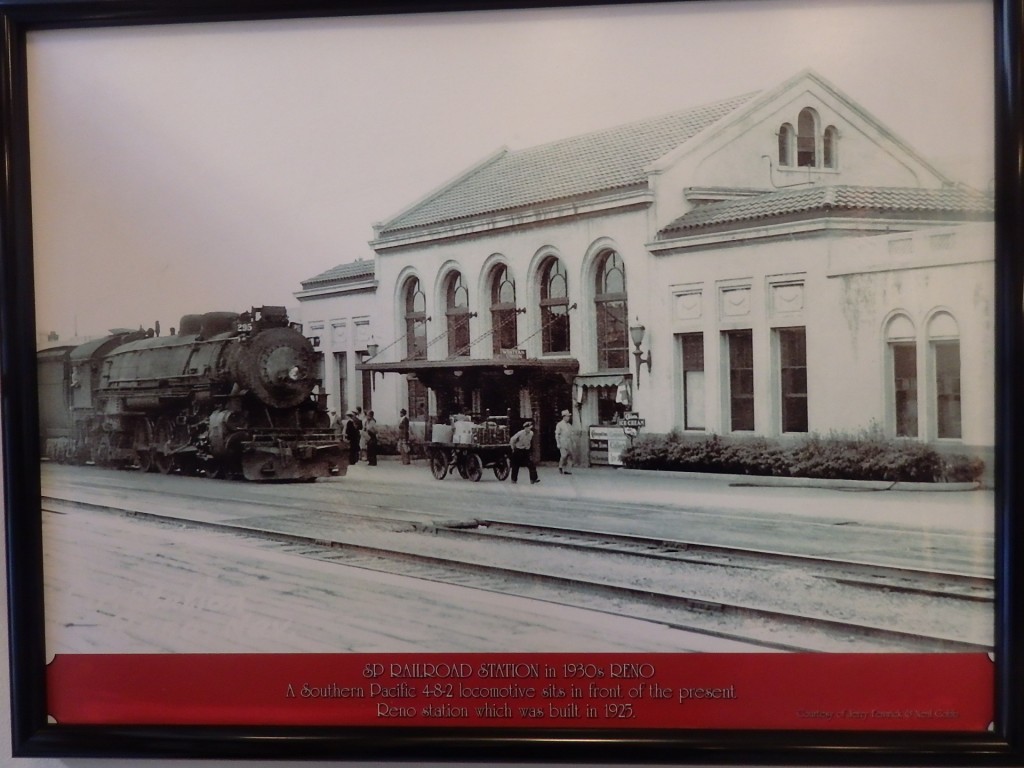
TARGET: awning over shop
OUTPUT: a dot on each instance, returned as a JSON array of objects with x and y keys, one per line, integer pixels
[
  {"x": 620, "y": 382},
  {"x": 601, "y": 379}
]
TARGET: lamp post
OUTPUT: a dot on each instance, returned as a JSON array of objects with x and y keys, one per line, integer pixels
[{"x": 636, "y": 333}]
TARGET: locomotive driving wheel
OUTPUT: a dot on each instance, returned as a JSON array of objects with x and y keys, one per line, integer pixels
[
  {"x": 142, "y": 445},
  {"x": 164, "y": 445}
]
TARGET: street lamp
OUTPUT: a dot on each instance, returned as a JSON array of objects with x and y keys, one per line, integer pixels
[{"x": 636, "y": 333}]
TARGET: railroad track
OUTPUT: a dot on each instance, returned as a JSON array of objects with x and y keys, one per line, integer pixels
[
  {"x": 517, "y": 559},
  {"x": 850, "y": 572}
]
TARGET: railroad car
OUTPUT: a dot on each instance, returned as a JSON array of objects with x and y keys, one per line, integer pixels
[{"x": 229, "y": 394}]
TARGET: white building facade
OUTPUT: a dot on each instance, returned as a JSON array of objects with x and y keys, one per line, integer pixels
[
  {"x": 787, "y": 265},
  {"x": 337, "y": 309}
]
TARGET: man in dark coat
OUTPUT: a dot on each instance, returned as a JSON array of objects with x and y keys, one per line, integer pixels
[
  {"x": 353, "y": 428},
  {"x": 403, "y": 436}
]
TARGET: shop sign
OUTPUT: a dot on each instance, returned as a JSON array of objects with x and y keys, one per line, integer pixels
[
  {"x": 607, "y": 445},
  {"x": 632, "y": 420}
]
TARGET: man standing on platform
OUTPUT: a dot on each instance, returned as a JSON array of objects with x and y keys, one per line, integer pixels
[
  {"x": 522, "y": 456},
  {"x": 566, "y": 444},
  {"x": 353, "y": 430},
  {"x": 403, "y": 436}
]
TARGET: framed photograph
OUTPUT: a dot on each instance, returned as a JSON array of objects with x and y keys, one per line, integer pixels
[{"x": 590, "y": 382}]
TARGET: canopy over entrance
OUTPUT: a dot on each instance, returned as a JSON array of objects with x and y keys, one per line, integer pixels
[{"x": 440, "y": 373}]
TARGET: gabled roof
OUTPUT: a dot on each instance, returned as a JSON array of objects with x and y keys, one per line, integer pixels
[
  {"x": 946, "y": 202},
  {"x": 349, "y": 272},
  {"x": 596, "y": 162}
]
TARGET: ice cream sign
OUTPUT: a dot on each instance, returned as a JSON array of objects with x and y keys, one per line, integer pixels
[{"x": 631, "y": 423}]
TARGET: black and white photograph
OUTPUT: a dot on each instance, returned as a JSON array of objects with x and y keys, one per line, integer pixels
[{"x": 647, "y": 329}]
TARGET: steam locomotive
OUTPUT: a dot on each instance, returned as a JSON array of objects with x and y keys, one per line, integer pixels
[{"x": 229, "y": 394}]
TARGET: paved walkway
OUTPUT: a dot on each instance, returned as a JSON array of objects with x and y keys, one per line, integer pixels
[{"x": 959, "y": 508}]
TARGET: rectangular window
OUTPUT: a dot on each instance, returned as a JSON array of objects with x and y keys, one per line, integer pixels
[
  {"x": 458, "y": 334},
  {"x": 415, "y": 338},
  {"x": 947, "y": 388},
  {"x": 693, "y": 381},
  {"x": 805, "y": 151},
  {"x": 904, "y": 371},
  {"x": 612, "y": 335},
  {"x": 793, "y": 378},
  {"x": 741, "y": 380},
  {"x": 609, "y": 409},
  {"x": 555, "y": 321},
  {"x": 505, "y": 332}
]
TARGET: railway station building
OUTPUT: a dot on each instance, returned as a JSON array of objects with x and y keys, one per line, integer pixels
[{"x": 770, "y": 265}]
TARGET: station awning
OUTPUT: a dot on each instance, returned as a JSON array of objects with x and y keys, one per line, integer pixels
[{"x": 432, "y": 372}]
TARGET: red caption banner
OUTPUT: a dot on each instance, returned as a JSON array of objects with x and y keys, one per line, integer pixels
[{"x": 850, "y": 692}]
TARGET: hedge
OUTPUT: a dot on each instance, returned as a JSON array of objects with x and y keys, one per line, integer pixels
[{"x": 865, "y": 457}]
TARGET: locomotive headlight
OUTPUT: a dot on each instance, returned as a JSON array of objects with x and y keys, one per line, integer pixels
[{"x": 293, "y": 373}]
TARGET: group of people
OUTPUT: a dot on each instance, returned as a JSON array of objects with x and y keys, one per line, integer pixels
[
  {"x": 522, "y": 453},
  {"x": 360, "y": 432}
]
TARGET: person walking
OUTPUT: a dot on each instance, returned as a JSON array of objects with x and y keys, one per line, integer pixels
[
  {"x": 403, "y": 436},
  {"x": 566, "y": 444},
  {"x": 353, "y": 429},
  {"x": 522, "y": 444},
  {"x": 370, "y": 430}
]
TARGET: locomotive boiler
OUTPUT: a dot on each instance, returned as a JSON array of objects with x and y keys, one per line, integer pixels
[{"x": 227, "y": 395}]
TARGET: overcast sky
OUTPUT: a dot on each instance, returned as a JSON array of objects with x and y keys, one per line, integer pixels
[{"x": 191, "y": 168}]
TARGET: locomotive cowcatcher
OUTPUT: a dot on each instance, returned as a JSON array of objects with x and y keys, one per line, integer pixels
[{"x": 227, "y": 395}]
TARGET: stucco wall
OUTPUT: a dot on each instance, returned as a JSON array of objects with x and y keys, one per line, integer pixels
[{"x": 843, "y": 291}]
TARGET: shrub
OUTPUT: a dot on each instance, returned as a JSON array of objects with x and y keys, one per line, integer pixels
[
  {"x": 867, "y": 456},
  {"x": 963, "y": 469}
]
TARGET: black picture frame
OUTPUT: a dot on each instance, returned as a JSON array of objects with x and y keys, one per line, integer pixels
[{"x": 33, "y": 736}]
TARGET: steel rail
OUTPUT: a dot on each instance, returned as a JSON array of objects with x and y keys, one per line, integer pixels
[
  {"x": 453, "y": 570},
  {"x": 862, "y": 573}
]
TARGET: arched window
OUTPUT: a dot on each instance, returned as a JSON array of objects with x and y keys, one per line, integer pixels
[
  {"x": 828, "y": 147},
  {"x": 457, "y": 312},
  {"x": 901, "y": 339},
  {"x": 944, "y": 348},
  {"x": 415, "y": 305},
  {"x": 505, "y": 331},
  {"x": 611, "y": 312},
  {"x": 806, "y": 139},
  {"x": 786, "y": 144},
  {"x": 554, "y": 307}
]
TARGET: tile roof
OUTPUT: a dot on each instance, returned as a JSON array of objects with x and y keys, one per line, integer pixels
[
  {"x": 600, "y": 161},
  {"x": 343, "y": 272},
  {"x": 817, "y": 199}
]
